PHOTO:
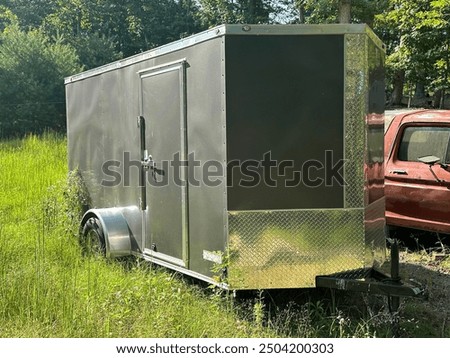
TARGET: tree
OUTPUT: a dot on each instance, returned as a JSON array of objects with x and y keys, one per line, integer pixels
[
  {"x": 345, "y": 11},
  {"x": 84, "y": 25},
  {"x": 129, "y": 26},
  {"x": 333, "y": 11},
  {"x": 417, "y": 35},
  {"x": 255, "y": 11},
  {"x": 32, "y": 69},
  {"x": 39, "y": 46},
  {"x": 152, "y": 23},
  {"x": 216, "y": 12},
  {"x": 31, "y": 13},
  {"x": 7, "y": 17}
]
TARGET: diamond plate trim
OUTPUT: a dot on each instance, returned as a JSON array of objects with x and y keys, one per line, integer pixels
[
  {"x": 356, "y": 97},
  {"x": 289, "y": 248}
]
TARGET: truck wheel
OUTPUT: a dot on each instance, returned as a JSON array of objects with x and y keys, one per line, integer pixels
[{"x": 93, "y": 238}]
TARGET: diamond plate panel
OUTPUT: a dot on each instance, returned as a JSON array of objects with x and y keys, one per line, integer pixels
[
  {"x": 287, "y": 249},
  {"x": 356, "y": 85}
]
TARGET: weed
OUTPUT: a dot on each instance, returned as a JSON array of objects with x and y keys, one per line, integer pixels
[{"x": 258, "y": 311}]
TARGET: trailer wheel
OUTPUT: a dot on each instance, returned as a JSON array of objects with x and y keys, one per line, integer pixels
[{"x": 93, "y": 238}]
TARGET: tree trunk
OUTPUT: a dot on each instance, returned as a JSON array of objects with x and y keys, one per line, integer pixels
[
  {"x": 344, "y": 11},
  {"x": 397, "y": 92},
  {"x": 301, "y": 13},
  {"x": 419, "y": 92},
  {"x": 252, "y": 12},
  {"x": 442, "y": 105},
  {"x": 421, "y": 98},
  {"x": 437, "y": 98}
]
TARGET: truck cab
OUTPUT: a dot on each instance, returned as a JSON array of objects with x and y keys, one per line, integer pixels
[{"x": 417, "y": 171}]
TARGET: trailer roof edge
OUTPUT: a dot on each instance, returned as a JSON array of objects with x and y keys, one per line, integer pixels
[{"x": 235, "y": 29}]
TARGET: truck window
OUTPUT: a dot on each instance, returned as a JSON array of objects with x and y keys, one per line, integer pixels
[{"x": 421, "y": 141}]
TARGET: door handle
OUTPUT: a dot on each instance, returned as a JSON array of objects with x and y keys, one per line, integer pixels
[
  {"x": 399, "y": 171},
  {"x": 148, "y": 162}
]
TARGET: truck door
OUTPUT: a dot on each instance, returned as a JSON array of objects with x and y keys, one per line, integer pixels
[
  {"x": 417, "y": 194},
  {"x": 163, "y": 107}
]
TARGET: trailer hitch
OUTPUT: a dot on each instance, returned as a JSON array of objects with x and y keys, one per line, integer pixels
[{"x": 374, "y": 282}]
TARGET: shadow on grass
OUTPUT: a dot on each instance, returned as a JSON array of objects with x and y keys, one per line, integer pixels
[{"x": 428, "y": 317}]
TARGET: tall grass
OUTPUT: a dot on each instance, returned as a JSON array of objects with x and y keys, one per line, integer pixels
[{"x": 48, "y": 288}]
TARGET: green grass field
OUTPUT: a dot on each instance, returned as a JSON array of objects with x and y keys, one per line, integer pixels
[{"x": 49, "y": 288}]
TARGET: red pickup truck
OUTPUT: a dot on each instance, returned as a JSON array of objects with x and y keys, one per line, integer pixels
[{"x": 417, "y": 171}]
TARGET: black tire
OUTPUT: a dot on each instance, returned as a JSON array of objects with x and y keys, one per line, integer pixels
[{"x": 93, "y": 237}]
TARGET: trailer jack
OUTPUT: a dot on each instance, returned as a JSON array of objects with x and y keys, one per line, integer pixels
[{"x": 374, "y": 282}]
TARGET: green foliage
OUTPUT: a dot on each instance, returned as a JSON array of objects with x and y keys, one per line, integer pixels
[
  {"x": 7, "y": 17},
  {"x": 417, "y": 35},
  {"x": 322, "y": 11},
  {"x": 32, "y": 69},
  {"x": 216, "y": 12},
  {"x": 327, "y": 11},
  {"x": 94, "y": 50},
  {"x": 156, "y": 22},
  {"x": 30, "y": 12},
  {"x": 129, "y": 26},
  {"x": 97, "y": 32}
]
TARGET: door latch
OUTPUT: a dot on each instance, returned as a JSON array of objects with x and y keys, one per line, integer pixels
[{"x": 148, "y": 162}]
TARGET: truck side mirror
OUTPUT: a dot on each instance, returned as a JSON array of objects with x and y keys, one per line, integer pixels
[
  {"x": 429, "y": 159},
  {"x": 432, "y": 160}
]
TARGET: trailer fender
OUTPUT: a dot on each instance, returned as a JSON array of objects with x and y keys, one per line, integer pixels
[{"x": 114, "y": 228}]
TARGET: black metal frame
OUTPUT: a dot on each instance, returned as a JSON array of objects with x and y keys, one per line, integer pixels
[{"x": 374, "y": 282}]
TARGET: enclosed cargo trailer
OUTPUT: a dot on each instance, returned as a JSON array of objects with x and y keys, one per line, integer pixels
[{"x": 249, "y": 156}]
